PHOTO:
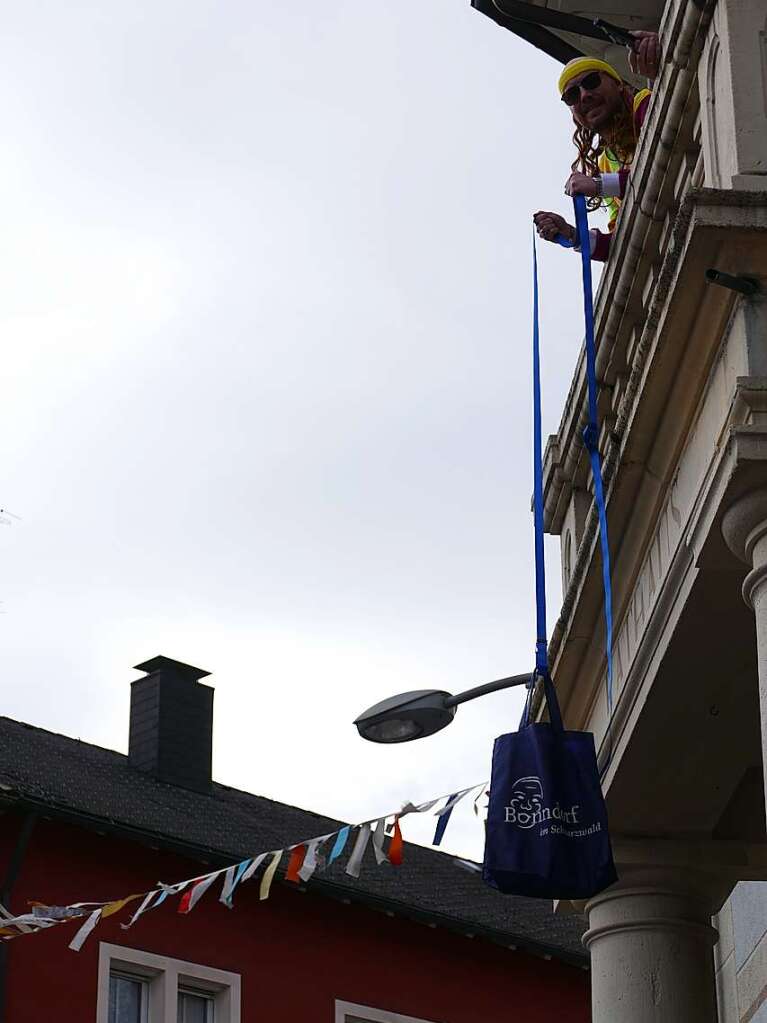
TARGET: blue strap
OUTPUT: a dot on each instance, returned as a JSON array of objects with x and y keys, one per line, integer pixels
[
  {"x": 591, "y": 431},
  {"x": 564, "y": 242},
  {"x": 541, "y": 643}
]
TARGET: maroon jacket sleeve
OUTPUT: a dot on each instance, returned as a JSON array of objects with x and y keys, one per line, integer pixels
[{"x": 601, "y": 249}]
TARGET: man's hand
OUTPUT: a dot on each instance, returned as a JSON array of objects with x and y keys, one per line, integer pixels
[
  {"x": 549, "y": 225},
  {"x": 645, "y": 59},
  {"x": 580, "y": 184}
]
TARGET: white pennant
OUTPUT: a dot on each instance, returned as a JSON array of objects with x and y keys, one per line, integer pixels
[
  {"x": 419, "y": 808},
  {"x": 310, "y": 859},
  {"x": 478, "y": 796},
  {"x": 228, "y": 887},
  {"x": 253, "y": 867},
  {"x": 355, "y": 860},
  {"x": 200, "y": 888},
  {"x": 378, "y": 841},
  {"x": 451, "y": 802},
  {"x": 82, "y": 935},
  {"x": 142, "y": 908}
]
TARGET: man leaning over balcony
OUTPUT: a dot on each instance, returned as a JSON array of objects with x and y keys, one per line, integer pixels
[{"x": 608, "y": 114}]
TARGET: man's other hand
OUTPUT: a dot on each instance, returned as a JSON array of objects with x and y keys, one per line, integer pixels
[
  {"x": 580, "y": 184},
  {"x": 645, "y": 59},
  {"x": 549, "y": 225}
]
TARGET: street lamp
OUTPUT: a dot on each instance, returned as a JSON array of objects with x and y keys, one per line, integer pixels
[{"x": 422, "y": 712}]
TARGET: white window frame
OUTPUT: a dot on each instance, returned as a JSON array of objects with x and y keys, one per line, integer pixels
[
  {"x": 349, "y": 1010},
  {"x": 165, "y": 976}
]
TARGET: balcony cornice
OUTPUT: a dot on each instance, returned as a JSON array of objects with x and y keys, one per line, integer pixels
[{"x": 653, "y": 420}]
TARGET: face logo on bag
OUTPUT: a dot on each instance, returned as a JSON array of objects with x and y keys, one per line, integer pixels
[
  {"x": 526, "y": 802},
  {"x": 526, "y": 806}
]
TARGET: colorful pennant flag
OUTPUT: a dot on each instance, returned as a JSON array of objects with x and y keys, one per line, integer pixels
[
  {"x": 191, "y": 897},
  {"x": 82, "y": 935},
  {"x": 294, "y": 863},
  {"x": 378, "y": 842},
  {"x": 444, "y": 816},
  {"x": 355, "y": 860},
  {"x": 396, "y": 845},
  {"x": 254, "y": 865},
  {"x": 142, "y": 909},
  {"x": 266, "y": 880},
  {"x": 338, "y": 845},
  {"x": 312, "y": 858}
]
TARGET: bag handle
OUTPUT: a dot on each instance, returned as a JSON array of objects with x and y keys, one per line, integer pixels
[
  {"x": 555, "y": 714},
  {"x": 541, "y": 642}
]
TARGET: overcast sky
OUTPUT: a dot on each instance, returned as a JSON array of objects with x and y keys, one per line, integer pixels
[{"x": 265, "y": 300}]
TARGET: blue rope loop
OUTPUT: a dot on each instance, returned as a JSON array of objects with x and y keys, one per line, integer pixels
[{"x": 591, "y": 432}]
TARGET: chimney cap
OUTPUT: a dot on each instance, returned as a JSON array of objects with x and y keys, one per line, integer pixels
[{"x": 161, "y": 663}]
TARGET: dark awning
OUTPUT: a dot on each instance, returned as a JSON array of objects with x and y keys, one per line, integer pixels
[
  {"x": 540, "y": 37},
  {"x": 563, "y": 35}
]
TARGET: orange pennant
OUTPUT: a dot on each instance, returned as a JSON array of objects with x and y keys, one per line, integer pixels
[
  {"x": 396, "y": 845},
  {"x": 295, "y": 863}
]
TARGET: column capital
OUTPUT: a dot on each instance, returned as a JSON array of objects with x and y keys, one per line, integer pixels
[
  {"x": 650, "y": 940},
  {"x": 744, "y": 528},
  {"x": 664, "y": 897},
  {"x": 744, "y": 523}
]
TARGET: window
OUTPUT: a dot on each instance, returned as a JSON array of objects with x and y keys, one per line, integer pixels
[
  {"x": 141, "y": 987},
  {"x": 347, "y": 1012},
  {"x": 128, "y": 999},
  {"x": 194, "y": 1007}
]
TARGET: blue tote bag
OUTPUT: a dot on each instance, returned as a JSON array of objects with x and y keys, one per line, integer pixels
[{"x": 547, "y": 831}]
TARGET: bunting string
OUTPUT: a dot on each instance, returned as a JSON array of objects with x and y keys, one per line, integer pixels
[{"x": 305, "y": 859}]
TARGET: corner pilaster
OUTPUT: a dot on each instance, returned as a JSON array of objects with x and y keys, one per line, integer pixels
[{"x": 744, "y": 528}]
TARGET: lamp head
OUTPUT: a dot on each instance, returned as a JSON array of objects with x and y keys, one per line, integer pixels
[{"x": 407, "y": 716}]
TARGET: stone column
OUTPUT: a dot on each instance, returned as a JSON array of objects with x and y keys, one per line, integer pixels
[
  {"x": 744, "y": 528},
  {"x": 733, "y": 81},
  {"x": 651, "y": 944}
]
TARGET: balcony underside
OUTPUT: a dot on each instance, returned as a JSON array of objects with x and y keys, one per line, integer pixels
[
  {"x": 693, "y": 766},
  {"x": 644, "y": 14}
]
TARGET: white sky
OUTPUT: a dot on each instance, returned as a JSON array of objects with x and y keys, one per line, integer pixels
[{"x": 265, "y": 309}]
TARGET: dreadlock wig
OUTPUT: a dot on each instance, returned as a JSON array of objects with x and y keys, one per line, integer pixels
[{"x": 619, "y": 140}]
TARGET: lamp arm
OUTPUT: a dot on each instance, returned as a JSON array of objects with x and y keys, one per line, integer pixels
[{"x": 488, "y": 687}]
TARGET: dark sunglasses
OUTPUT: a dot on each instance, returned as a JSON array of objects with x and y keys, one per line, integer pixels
[{"x": 589, "y": 82}]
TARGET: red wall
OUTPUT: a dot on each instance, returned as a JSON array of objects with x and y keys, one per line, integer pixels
[{"x": 296, "y": 953}]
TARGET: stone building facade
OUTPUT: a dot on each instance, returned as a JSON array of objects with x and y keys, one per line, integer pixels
[{"x": 682, "y": 365}]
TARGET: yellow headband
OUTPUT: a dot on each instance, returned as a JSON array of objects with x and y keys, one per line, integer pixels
[{"x": 582, "y": 64}]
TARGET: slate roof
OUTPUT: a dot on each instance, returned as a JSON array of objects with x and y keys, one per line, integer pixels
[{"x": 97, "y": 787}]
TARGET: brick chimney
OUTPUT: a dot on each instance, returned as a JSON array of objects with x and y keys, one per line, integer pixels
[{"x": 171, "y": 724}]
